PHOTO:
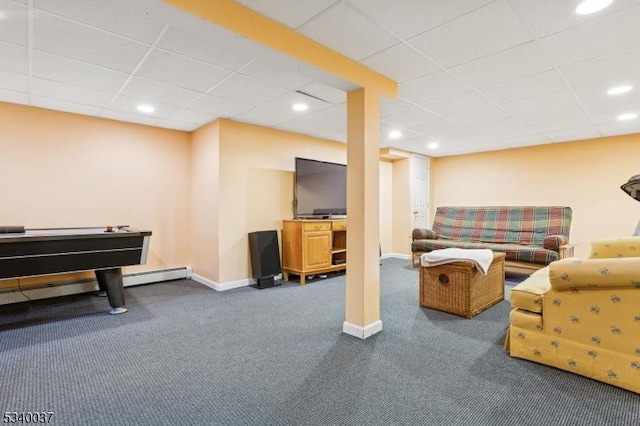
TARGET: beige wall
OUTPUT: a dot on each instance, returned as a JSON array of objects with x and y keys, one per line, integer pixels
[
  {"x": 256, "y": 186},
  {"x": 66, "y": 170},
  {"x": 585, "y": 175},
  {"x": 386, "y": 206},
  {"x": 401, "y": 243},
  {"x": 205, "y": 201}
]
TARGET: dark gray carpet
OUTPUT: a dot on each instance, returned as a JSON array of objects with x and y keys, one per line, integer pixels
[{"x": 186, "y": 355}]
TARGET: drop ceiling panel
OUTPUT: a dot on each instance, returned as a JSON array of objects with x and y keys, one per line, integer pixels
[
  {"x": 13, "y": 81},
  {"x": 155, "y": 91},
  {"x": 180, "y": 71},
  {"x": 344, "y": 30},
  {"x": 219, "y": 106},
  {"x": 525, "y": 87},
  {"x": 489, "y": 29},
  {"x": 68, "y": 92},
  {"x": 115, "y": 16},
  {"x": 597, "y": 92},
  {"x": 596, "y": 38},
  {"x": 437, "y": 127},
  {"x": 549, "y": 101},
  {"x": 388, "y": 105},
  {"x": 401, "y": 63},
  {"x": 292, "y": 14},
  {"x": 248, "y": 90},
  {"x": 513, "y": 63},
  {"x": 14, "y": 58},
  {"x": 186, "y": 115},
  {"x": 13, "y": 97},
  {"x": 129, "y": 105},
  {"x": 177, "y": 125},
  {"x": 206, "y": 50},
  {"x": 72, "y": 40},
  {"x": 432, "y": 87},
  {"x": 562, "y": 124},
  {"x": 62, "y": 105},
  {"x": 573, "y": 134},
  {"x": 546, "y": 17},
  {"x": 555, "y": 115},
  {"x": 324, "y": 92},
  {"x": 488, "y": 113},
  {"x": 74, "y": 72},
  {"x": 408, "y": 18},
  {"x": 263, "y": 116},
  {"x": 617, "y": 129},
  {"x": 13, "y": 23},
  {"x": 502, "y": 125},
  {"x": 274, "y": 74},
  {"x": 128, "y": 117},
  {"x": 335, "y": 115},
  {"x": 456, "y": 104},
  {"x": 406, "y": 117},
  {"x": 620, "y": 65},
  {"x": 284, "y": 104},
  {"x": 617, "y": 105}
]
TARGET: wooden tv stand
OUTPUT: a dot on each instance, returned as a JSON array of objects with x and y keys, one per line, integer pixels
[{"x": 313, "y": 247}]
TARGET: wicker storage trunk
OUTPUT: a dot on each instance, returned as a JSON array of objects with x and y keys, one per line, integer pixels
[{"x": 460, "y": 288}]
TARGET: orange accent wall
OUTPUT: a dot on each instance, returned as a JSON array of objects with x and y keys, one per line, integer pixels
[
  {"x": 585, "y": 175},
  {"x": 66, "y": 170}
]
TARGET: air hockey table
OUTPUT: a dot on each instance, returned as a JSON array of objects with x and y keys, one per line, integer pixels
[{"x": 105, "y": 250}]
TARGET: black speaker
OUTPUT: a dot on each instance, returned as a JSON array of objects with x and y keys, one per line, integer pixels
[{"x": 265, "y": 258}]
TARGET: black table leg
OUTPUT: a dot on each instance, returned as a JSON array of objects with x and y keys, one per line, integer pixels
[{"x": 110, "y": 280}]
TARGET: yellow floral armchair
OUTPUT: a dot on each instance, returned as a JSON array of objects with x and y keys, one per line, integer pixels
[{"x": 583, "y": 315}]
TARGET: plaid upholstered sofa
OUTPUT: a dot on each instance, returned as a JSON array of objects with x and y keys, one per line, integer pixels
[
  {"x": 530, "y": 236},
  {"x": 583, "y": 315}
]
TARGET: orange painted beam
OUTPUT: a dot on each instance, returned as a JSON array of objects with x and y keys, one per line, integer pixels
[{"x": 248, "y": 23}]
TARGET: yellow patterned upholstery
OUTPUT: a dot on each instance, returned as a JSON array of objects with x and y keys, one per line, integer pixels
[{"x": 588, "y": 317}]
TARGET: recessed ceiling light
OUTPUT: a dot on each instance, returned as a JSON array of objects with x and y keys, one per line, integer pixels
[
  {"x": 627, "y": 116},
  {"x": 618, "y": 90},
  {"x": 433, "y": 145},
  {"x": 592, "y": 6},
  {"x": 146, "y": 108},
  {"x": 395, "y": 134},
  {"x": 300, "y": 107}
]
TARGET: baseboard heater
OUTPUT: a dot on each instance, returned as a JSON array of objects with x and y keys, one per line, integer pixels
[{"x": 65, "y": 288}]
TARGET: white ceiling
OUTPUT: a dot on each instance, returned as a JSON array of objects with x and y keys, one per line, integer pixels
[{"x": 474, "y": 75}]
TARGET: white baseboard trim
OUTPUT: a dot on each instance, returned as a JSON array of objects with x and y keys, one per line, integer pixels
[
  {"x": 396, "y": 255},
  {"x": 228, "y": 285},
  {"x": 156, "y": 276},
  {"x": 67, "y": 288},
  {"x": 362, "y": 332}
]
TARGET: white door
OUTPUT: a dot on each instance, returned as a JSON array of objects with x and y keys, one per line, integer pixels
[{"x": 420, "y": 171}]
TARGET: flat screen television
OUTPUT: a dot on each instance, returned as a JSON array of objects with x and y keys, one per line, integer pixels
[{"x": 320, "y": 189}]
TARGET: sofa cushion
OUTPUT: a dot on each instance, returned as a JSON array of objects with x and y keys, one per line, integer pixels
[
  {"x": 525, "y": 319},
  {"x": 525, "y": 225},
  {"x": 528, "y": 294},
  {"x": 515, "y": 252}
]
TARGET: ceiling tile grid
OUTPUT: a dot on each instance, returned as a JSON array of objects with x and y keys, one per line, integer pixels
[{"x": 474, "y": 75}]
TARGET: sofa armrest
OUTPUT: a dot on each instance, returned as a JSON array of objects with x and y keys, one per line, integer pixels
[
  {"x": 554, "y": 242},
  {"x": 574, "y": 273},
  {"x": 423, "y": 234},
  {"x": 618, "y": 247},
  {"x": 566, "y": 250}
]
